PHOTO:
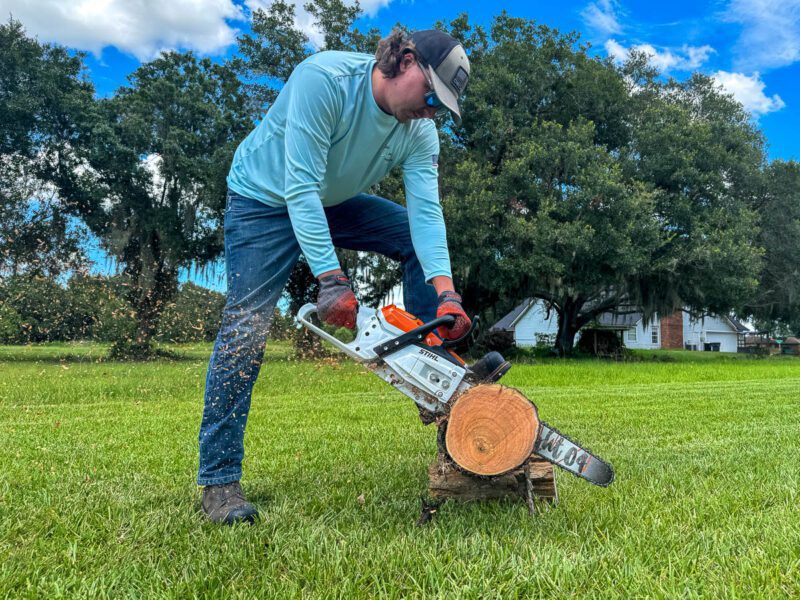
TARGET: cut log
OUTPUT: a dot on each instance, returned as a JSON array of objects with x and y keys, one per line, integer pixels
[{"x": 491, "y": 430}]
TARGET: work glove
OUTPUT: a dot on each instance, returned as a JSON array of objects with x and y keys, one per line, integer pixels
[
  {"x": 450, "y": 304},
  {"x": 336, "y": 303}
]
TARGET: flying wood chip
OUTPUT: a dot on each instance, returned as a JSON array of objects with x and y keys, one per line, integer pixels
[{"x": 492, "y": 429}]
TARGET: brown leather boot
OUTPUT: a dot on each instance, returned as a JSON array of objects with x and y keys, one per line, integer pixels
[{"x": 226, "y": 504}]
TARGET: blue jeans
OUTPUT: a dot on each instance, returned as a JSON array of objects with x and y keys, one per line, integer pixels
[{"x": 260, "y": 253}]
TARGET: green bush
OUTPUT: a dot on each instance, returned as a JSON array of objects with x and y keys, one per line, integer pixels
[
  {"x": 283, "y": 326},
  {"x": 10, "y": 325},
  {"x": 99, "y": 311},
  {"x": 42, "y": 305},
  {"x": 194, "y": 316}
]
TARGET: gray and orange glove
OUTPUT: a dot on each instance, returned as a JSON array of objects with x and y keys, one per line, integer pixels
[
  {"x": 450, "y": 304},
  {"x": 336, "y": 302}
]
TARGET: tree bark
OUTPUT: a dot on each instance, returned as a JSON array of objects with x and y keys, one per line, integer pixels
[
  {"x": 153, "y": 284},
  {"x": 447, "y": 481},
  {"x": 567, "y": 327}
]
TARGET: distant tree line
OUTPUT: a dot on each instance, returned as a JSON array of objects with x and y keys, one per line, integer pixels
[
  {"x": 90, "y": 307},
  {"x": 587, "y": 184}
]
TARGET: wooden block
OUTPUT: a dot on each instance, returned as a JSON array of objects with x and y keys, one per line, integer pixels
[
  {"x": 534, "y": 479},
  {"x": 485, "y": 447}
]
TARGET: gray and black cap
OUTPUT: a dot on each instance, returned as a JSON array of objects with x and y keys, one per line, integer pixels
[{"x": 447, "y": 63}]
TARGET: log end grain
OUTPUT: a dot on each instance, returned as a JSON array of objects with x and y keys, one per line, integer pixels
[{"x": 491, "y": 430}]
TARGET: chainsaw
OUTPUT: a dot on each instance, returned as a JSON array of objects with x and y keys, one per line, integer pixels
[{"x": 407, "y": 354}]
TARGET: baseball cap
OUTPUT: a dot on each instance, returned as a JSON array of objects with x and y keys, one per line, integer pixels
[{"x": 446, "y": 63}]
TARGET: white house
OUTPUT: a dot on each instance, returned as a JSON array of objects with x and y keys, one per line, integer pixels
[
  {"x": 530, "y": 322},
  {"x": 713, "y": 333}
]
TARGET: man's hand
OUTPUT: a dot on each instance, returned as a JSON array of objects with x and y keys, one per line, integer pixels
[
  {"x": 450, "y": 304},
  {"x": 336, "y": 303}
]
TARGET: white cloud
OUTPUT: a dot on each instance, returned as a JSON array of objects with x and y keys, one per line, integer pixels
[
  {"x": 153, "y": 163},
  {"x": 616, "y": 50},
  {"x": 139, "y": 27},
  {"x": 685, "y": 58},
  {"x": 603, "y": 17},
  {"x": 749, "y": 91},
  {"x": 305, "y": 22},
  {"x": 770, "y": 35}
]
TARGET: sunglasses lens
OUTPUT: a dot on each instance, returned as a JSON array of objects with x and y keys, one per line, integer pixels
[{"x": 431, "y": 99}]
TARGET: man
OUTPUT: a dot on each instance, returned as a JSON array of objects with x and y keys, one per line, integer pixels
[{"x": 340, "y": 124}]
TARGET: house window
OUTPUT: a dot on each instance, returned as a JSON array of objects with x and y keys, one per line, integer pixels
[
  {"x": 654, "y": 334},
  {"x": 632, "y": 335}
]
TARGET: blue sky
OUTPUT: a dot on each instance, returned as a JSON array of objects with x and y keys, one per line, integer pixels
[{"x": 751, "y": 47}]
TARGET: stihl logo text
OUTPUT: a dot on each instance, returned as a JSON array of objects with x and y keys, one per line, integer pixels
[{"x": 430, "y": 355}]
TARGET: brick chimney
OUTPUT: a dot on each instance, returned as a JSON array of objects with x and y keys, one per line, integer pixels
[{"x": 672, "y": 331}]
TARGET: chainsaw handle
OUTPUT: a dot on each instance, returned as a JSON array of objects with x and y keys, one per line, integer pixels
[
  {"x": 450, "y": 343},
  {"x": 415, "y": 335},
  {"x": 418, "y": 334},
  {"x": 361, "y": 349},
  {"x": 304, "y": 317}
]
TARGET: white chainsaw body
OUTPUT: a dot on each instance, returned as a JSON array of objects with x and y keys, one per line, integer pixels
[{"x": 418, "y": 371}]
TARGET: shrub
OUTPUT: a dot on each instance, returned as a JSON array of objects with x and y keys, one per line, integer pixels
[
  {"x": 283, "y": 326},
  {"x": 10, "y": 325},
  {"x": 194, "y": 316},
  {"x": 42, "y": 305},
  {"x": 99, "y": 311},
  {"x": 498, "y": 341}
]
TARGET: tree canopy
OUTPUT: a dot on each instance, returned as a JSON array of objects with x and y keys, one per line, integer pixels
[
  {"x": 595, "y": 187},
  {"x": 152, "y": 188},
  {"x": 777, "y": 300},
  {"x": 586, "y": 184},
  {"x": 43, "y": 96}
]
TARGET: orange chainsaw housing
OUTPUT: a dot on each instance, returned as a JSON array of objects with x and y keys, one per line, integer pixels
[{"x": 405, "y": 321}]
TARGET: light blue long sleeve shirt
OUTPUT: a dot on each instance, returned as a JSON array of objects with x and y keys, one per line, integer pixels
[{"x": 325, "y": 140}]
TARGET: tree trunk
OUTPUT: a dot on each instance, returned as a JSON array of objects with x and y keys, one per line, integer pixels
[
  {"x": 153, "y": 285},
  {"x": 567, "y": 327},
  {"x": 151, "y": 306}
]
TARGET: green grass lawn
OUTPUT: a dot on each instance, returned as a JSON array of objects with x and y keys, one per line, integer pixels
[{"x": 97, "y": 492}]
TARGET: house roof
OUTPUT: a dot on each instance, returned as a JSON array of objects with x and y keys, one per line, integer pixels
[
  {"x": 607, "y": 320},
  {"x": 738, "y": 325},
  {"x": 507, "y": 322},
  {"x": 610, "y": 320}
]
